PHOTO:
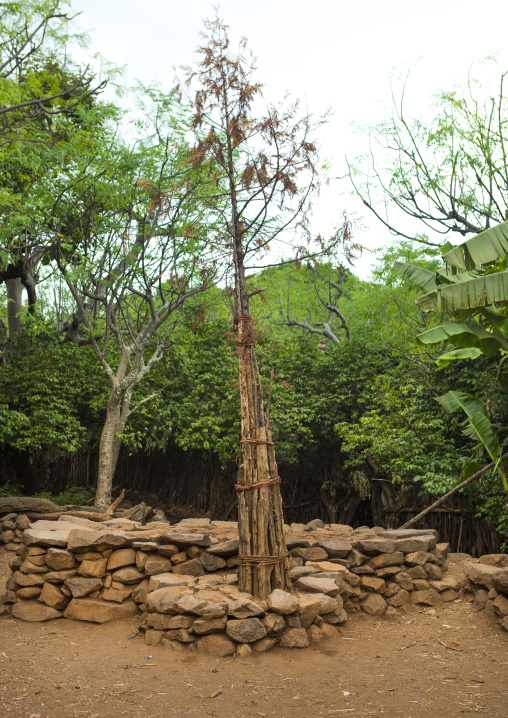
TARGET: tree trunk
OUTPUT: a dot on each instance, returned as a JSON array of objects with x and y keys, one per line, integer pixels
[
  {"x": 14, "y": 306},
  {"x": 109, "y": 448}
]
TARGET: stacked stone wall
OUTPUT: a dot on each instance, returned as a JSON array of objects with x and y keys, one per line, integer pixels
[{"x": 182, "y": 580}]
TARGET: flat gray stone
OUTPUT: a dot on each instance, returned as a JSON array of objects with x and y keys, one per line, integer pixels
[
  {"x": 408, "y": 533},
  {"x": 482, "y": 574},
  {"x": 89, "y": 539},
  {"x": 336, "y": 548},
  {"x": 318, "y": 585},
  {"x": 245, "y": 608},
  {"x": 375, "y": 545},
  {"x": 97, "y": 611},
  {"x": 193, "y": 524},
  {"x": 181, "y": 539},
  {"x": 83, "y": 586},
  {"x": 314, "y": 553},
  {"x": 48, "y": 533},
  {"x": 225, "y": 549},
  {"x": 169, "y": 580}
]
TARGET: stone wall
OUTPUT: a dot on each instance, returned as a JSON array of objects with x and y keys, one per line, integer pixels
[
  {"x": 183, "y": 582},
  {"x": 488, "y": 585}
]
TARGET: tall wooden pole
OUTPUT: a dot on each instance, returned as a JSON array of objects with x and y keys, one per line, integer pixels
[{"x": 263, "y": 558}]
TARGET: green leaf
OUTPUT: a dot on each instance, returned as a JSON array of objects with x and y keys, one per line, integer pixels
[
  {"x": 475, "y": 292},
  {"x": 483, "y": 248},
  {"x": 469, "y": 353},
  {"x": 424, "y": 278},
  {"x": 480, "y": 426},
  {"x": 465, "y": 335}
]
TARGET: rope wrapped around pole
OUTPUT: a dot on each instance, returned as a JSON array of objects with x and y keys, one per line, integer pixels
[
  {"x": 261, "y": 560},
  {"x": 258, "y": 484}
]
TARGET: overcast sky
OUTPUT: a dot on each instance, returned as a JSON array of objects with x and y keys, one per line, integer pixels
[{"x": 349, "y": 56}]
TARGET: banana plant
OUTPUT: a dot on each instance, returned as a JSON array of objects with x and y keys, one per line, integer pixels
[
  {"x": 479, "y": 428},
  {"x": 474, "y": 285}
]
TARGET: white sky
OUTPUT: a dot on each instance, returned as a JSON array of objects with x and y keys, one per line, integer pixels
[{"x": 344, "y": 55}]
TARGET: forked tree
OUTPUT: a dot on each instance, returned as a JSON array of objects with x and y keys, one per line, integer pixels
[
  {"x": 134, "y": 255},
  {"x": 266, "y": 174}
]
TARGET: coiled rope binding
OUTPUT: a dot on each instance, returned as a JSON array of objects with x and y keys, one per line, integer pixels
[
  {"x": 261, "y": 560},
  {"x": 258, "y": 484}
]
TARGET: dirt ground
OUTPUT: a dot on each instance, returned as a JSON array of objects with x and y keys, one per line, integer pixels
[{"x": 440, "y": 663}]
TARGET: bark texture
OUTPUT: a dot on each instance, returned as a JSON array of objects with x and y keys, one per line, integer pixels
[
  {"x": 14, "y": 306},
  {"x": 109, "y": 447},
  {"x": 260, "y": 513}
]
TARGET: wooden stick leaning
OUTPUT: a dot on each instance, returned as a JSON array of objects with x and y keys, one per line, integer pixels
[{"x": 453, "y": 491}]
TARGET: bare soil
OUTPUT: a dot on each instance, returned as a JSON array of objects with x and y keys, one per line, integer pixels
[{"x": 450, "y": 661}]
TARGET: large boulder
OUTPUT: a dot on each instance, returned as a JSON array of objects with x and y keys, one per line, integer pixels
[
  {"x": 274, "y": 623},
  {"x": 386, "y": 559},
  {"x": 427, "y": 597},
  {"x": 415, "y": 543},
  {"x": 93, "y": 568},
  {"x": 500, "y": 606},
  {"x": 167, "y": 622}
]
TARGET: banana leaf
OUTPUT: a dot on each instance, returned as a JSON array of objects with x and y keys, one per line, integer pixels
[
  {"x": 483, "y": 248},
  {"x": 465, "y": 336},
  {"x": 478, "y": 292},
  {"x": 480, "y": 426},
  {"x": 424, "y": 278},
  {"x": 428, "y": 280},
  {"x": 470, "y": 353},
  {"x": 496, "y": 320}
]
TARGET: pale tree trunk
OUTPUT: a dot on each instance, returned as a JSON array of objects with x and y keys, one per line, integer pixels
[
  {"x": 109, "y": 447},
  {"x": 14, "y": 306}
]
